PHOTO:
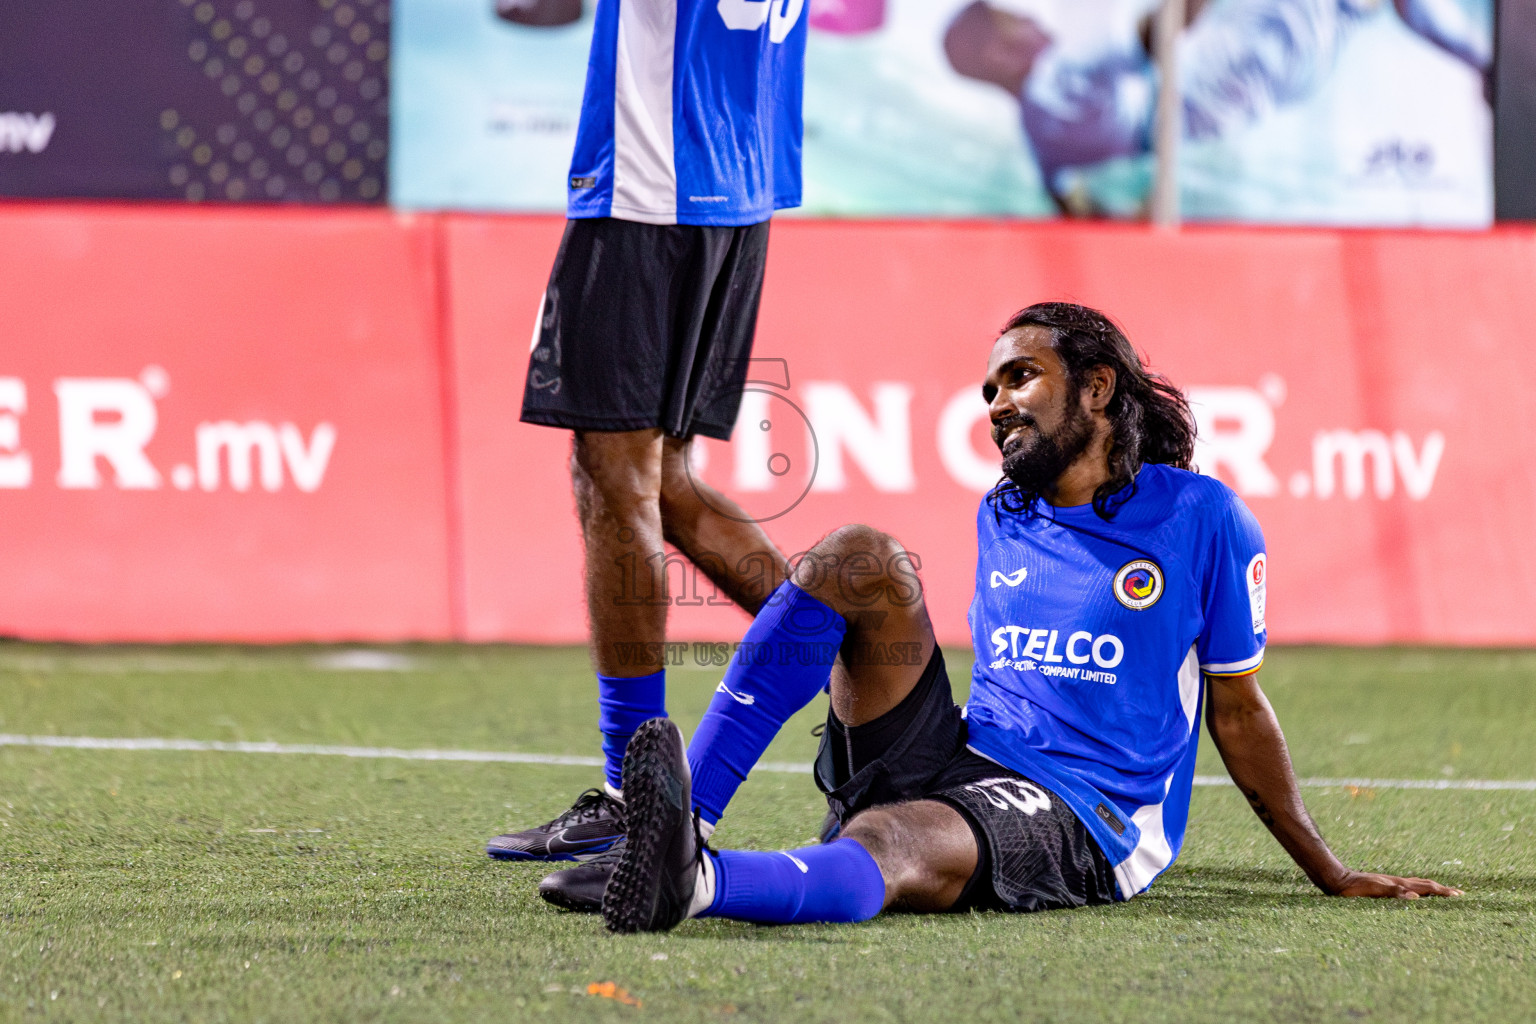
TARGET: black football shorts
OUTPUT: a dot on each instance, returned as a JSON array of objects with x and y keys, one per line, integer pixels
[
  {"x": 647, "y": 325},
  {"x": 1034, "y": 852}
]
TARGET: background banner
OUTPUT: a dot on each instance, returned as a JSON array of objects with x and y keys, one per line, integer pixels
[
  {"x": 1362, "y": 112},
  {"x": 1514, "y": 142},
  {"x": 245, "y": 100},
  {"x": 1390, "y": 486},
  {"x": 238, "y": 436},
  {"x": 305, "y": 425}
]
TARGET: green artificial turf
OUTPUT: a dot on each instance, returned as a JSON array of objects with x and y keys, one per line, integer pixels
[{"x": 216, "y": 886}]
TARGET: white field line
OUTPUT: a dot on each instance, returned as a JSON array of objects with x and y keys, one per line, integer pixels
[
  {"x": 1527, "y": 785},
  {"x": 515, "y": 757},
  {"x": 268, "y": 747}
]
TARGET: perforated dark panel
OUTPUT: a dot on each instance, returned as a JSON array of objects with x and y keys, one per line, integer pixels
[{"x": 237, "y": 100}]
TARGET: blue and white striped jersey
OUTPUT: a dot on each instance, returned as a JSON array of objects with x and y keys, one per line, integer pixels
[
  {"x": 692, "y": 112},
  {"x": 1091, "y": 638}
]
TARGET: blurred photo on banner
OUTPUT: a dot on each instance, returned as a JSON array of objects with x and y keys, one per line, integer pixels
[
  {"x": 199, "y": 100},
  {"x": 1368, "y": 112},
  {"x": 1294, "y": 111}
]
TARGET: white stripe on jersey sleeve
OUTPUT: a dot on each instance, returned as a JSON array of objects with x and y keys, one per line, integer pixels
[
  {"x": 1233, "y": 668},
  {"x": 1189, "y": 686},
  {"x": 644, "y": 165}
]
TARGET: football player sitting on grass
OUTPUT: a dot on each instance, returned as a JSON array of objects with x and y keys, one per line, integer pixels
[{"x": 1118, "y": 597}]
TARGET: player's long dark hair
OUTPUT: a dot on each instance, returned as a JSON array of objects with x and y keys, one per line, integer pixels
[{"x": 1149, "y": 418}]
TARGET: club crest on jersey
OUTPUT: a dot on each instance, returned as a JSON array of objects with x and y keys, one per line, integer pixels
[{"x": 1139, "y": 584}]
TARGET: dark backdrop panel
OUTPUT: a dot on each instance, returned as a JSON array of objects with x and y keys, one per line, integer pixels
[
  {"x": 1514, "y": 112},
  {"x": 246, "y": 100}
]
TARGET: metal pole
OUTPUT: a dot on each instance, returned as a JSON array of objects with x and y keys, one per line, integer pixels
[{"x": 1170, "y": 111}]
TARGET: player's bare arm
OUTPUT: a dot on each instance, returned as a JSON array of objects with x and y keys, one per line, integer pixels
[{"x": 1247, "y": 735}]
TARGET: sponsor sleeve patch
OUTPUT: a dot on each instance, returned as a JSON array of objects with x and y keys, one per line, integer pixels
[
  {"x": 1258, "y": 574},
  {"x": 1110, "y": 819}
]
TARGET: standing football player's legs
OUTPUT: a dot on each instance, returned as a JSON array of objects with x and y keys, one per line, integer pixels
[{"x": 643, "y": 343}]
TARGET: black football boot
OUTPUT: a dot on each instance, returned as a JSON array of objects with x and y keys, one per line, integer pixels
[
  {"x": 581, "y": 888},
  {"x": 653, "y": 884},
  {"x": 593, "y": 824}
]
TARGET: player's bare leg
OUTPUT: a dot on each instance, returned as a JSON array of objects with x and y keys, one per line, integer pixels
[
  {"x": 925, "y": 849},
  {"x": 851, "y": 617},
  {"x": 869, "y": 579},
  {"x": 634, "y": 494},
  {"x": 617, "y": 480},
  {"x": 730, "y": 549}
]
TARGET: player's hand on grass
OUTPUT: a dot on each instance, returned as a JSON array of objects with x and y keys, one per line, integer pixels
[{"x": 1362, "y": 883}]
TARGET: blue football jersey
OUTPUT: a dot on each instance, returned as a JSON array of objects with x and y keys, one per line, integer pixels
[
  {"x": 692, "y": 112},
  {"x": 1091, "y": 638}
]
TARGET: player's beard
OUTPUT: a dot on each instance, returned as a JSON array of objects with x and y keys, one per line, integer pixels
[{"x": 1040, "y": 459}]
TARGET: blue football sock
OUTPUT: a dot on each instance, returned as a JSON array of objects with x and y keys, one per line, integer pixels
[
  {"x": 838, "y": 882},
  {"x": 623, "y": 703},
  {"x": 783, "y": 662}
]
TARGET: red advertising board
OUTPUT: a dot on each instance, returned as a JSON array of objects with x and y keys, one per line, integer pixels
[
  {"x": 264, "y": 426},
  {"x": 516, "y": 525},
  {"x": 1361, "y": 390},
  {"x": 220, "y": 425}
]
